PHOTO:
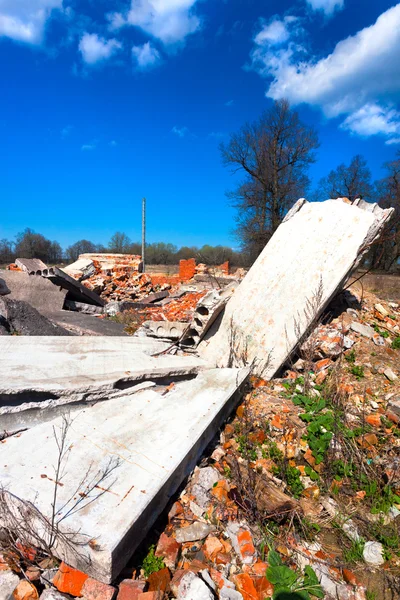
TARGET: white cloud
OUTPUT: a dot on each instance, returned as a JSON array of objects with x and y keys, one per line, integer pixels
[
  {"x": 373, "y": 119},
  {"x": 24, "y": 20},
  {"x": 146, "y": 56},
  {"x": 171, "y": 21},
  {"x": 113, "y": 144},
  {"x": 360, "y": 78},
  {"x": 274, "y": 32},
  {"x": 328, "y": 6},
  {"x": 65, "y": 132},
  {"x": 180, "y": 132},
  {"x": 88, "y": 147},
  {"x": 95, "y": 48},
  {"x": 229, "y": 103}
]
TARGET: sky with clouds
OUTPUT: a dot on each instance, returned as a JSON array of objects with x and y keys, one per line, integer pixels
[{"x": 105, "y": 101}]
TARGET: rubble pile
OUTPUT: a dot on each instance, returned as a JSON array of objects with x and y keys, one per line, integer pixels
[
  {"x": 114, "y": 277},
  {"x": 290, "y": 410}
]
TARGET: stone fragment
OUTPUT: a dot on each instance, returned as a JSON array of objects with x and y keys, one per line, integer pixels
[
  {"x": 154, "y": 595},
  {"x": 25, "y": 591},
  {"x": 192, "y": 587},
  {"x": 373, "y": 554},
  {"x": 205, "y": 479},
  {"x": 389, "y": 374},
  {"x": 130, "y": 589},
  {"x": 227, "y": 593},
  {"x": 69, "y": 580},
  {"x": 194, "y": 532},
  {"x": 168, "y": 548},
  {"x": 393, "y": 408},
  {"x": 52, "y": 594},
  {"x": 381, "y": 310},
  {"x": 47, "y": 576},
  {"x": 95, "y": 590},
  {"x": 364, "y": 330},
  {"x": 8, "y": 583}
]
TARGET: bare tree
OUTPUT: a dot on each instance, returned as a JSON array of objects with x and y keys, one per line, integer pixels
[
  {"x": 350, "y": 181},
  {"x": 386, "y": 253},
  {"x": 80, "y": 247},
  {"x": 119, "y": 243},
  {"x": 274, "y": 153}
]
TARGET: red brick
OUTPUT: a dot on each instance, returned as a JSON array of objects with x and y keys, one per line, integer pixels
[
  {"x": 246, "y": 545},
  {"x": 168, "y": 548},
  {"x": 264, "y": 588},
  {"x": 157, "y": 595},
  {"x": 95, "y": 590},
  {"x": 187, "y": 269},
  {"x": 159, "y": 580},
  {"x": 25, "y": 591},
  {"x": 130, "y": 589},
  {"x": 69, "y": 580},
  {"x": 246, "y": 587}
]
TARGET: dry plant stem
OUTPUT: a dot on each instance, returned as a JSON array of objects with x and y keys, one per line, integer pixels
[{"x": 24, "y": 525}]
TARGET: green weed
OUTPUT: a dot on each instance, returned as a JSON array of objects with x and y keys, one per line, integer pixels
[{"x": 152, "y": 563}]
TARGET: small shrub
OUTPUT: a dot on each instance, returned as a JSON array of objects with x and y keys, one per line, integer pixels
[
  {"x": 396, "y": 343},
  {"x": 152, "y": 563},
  {"x": 357, "y": 371},
  {"x": 350, "y": 356}
]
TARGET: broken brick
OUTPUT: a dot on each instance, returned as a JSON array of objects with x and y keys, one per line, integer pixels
[
  {"x": 69, "y": 580},
  {"x": 159, "y": 580},
  {"x": 168, "y": 548},
  {"x": 95, "y": 590},
  {"x": 246, "y": 546},
  {"x": 130, "y": 589},
  {"x": 246, "y": 587},
  {"x": 25, "y": 591}
]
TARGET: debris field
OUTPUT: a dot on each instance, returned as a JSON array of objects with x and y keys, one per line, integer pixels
[{"x": 240, "y": 441}]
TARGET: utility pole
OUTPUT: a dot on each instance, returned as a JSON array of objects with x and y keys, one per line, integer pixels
[{"x": 143, "y": 233}]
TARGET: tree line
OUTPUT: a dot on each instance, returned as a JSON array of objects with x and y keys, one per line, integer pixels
[
  {"x": 273, "y": 154},
  {"x": 29, "y": 244}
]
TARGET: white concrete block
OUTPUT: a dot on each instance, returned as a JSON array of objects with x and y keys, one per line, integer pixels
[
  {"x": 316, "y": 247},
  {"x": 155, "y": 439}
]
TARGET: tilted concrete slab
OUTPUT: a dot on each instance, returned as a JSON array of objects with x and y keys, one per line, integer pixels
[
  {"x": 36, "y": 377},
  {"x": 152, "y": 440},
  {"x": 36, "y": 291},
  {"x": 307, "y": 260}
]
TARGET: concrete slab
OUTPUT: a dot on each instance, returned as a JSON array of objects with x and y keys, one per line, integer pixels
[
  {"x": 152, "y": 440},
  {"x": 60, "y": 371},
  {"x": 76, "y": 290},
  {"x": 30, "y": 265},
  {"x": 308, "y": 259},
  {"x": 84, "y": 324},
  {"x": 20, "y": 318},
  {"x": 38, "y": 292}
]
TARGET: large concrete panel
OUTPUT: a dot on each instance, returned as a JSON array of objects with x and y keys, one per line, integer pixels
[
  {"x": 307, "y": 260},
  {"x": 56, "y": 371},
  {"x": 152, "y": 440},
  {"x": 34, "y": 289}
]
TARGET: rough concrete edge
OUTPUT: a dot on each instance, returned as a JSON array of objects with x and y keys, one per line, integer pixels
[
  {"x": 295, "y": 209},
  {"x": 126, "y": 547}
]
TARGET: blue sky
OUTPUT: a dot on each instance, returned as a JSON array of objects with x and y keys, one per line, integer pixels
[{"x": 105, "y": 101}]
